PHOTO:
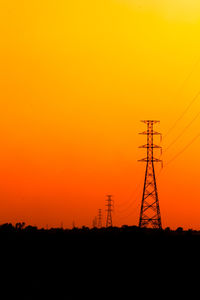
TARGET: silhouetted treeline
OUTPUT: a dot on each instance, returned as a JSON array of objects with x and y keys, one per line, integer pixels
[
  {"x": 21, "y": 226},
  {"x": 106, "y": 263}
]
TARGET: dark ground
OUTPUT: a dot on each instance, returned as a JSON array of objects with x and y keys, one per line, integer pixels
[{"x": 124, "y": 263}]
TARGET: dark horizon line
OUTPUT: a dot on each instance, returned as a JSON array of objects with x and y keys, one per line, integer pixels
[{"x": 22, "y": 226}]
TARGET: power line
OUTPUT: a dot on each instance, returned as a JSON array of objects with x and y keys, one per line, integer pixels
[
  {"x": 133, "y": 201},
  {"x": 179, "y": 153},
  {"x": 182, "y": 115},
  {"x": 184, "y": 149},
  {"x": 185, "y": 81},
  {"x": 183, "y": 131},
  {"x": 131, "y": 195},
  {"x": 129, "y": 202},
  {"x": 130, "y": 213},
  {"x": 190, "y": 74}
]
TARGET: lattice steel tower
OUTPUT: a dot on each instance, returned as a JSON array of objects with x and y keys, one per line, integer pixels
[
  {"x": 94, "y": 222},
  {"x": 99, "y": 224},
  {"x": 150, "y": 210},
  {"x": 109, "y": 204}
]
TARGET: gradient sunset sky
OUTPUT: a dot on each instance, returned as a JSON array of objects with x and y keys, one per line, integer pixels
[{"x": 76, "y": 78}]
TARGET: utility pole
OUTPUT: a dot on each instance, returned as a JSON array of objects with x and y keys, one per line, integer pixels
[
  {"x": 109, "y": 204},
  {"x": 150, "y": 210},
  {"x": 99, "y": 218}
]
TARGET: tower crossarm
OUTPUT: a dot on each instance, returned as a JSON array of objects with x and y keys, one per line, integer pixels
[
  {"x": 152, "y": 146},
  {"x": 152, "y": 132},
  {"x": 150, "y": 121},
  {"x": 150, "y": 160}
]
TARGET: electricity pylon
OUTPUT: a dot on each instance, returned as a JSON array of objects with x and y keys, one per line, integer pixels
[
  {"x": 99, "y": 224},
  {"x": 150, "y": 210},
  {"x": 94, "y": 223},
  {"x": 109, "y": 211}
]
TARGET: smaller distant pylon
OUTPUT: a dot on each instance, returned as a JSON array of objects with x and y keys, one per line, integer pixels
[
  {"x": 109, "y": 210},
  {"x": 94, "y": 222},
  {"x": 99, "y": 224}
]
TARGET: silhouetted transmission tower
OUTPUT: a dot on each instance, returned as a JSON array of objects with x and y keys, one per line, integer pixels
[
  {"x": 99, "y": 218},
  {"x": 150, "y": 210},
  {"x": 109, "y": 211},
  {"x": 94, "y": 222}
]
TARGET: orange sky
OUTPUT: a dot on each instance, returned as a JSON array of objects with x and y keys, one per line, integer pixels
[{"x": 76, "y": 78}]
